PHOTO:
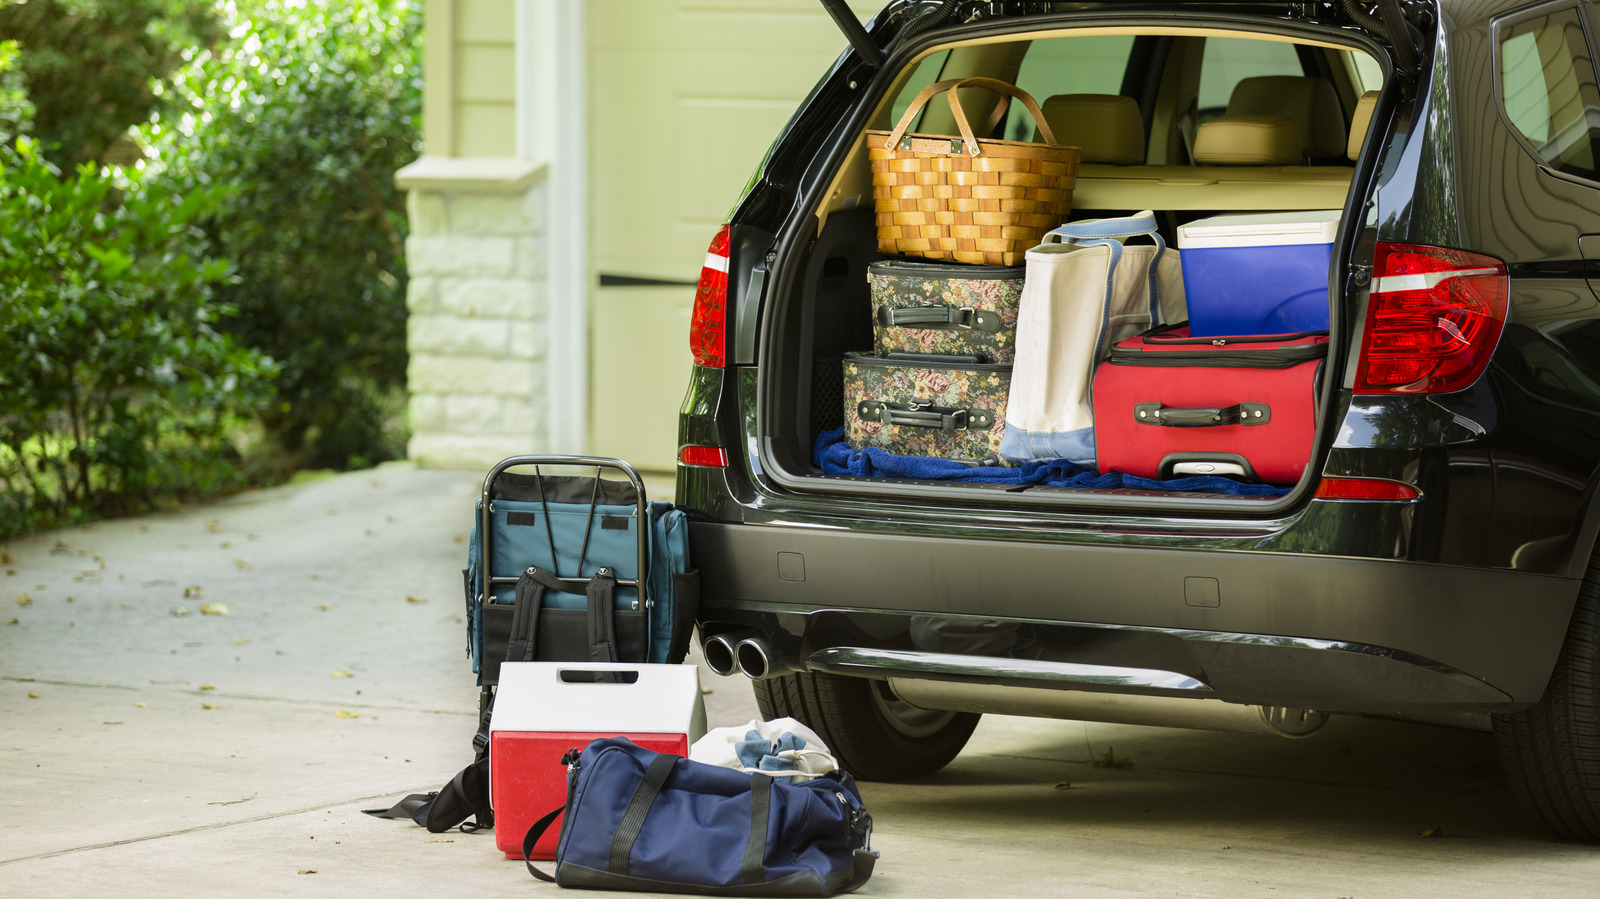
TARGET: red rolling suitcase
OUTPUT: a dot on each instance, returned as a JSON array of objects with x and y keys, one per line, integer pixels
[{"x": 1170, "y": 405}]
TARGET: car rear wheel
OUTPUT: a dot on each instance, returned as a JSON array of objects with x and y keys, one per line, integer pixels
[
  {"x": 872, "y": 733},
  {"x": 1551, "y": 751}
]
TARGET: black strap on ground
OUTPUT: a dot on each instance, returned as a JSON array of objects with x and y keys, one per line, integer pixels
[
  {"x": 755, "y": 851},
  {"x": 638, "y": 809},
  {"x": 532, "y": 837}
]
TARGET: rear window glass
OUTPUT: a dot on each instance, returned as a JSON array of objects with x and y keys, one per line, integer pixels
[
  {"x": 1092, "y": 64},
  {"x": 1228, "y": 61},
  {"x": 1548, "y": 92}
]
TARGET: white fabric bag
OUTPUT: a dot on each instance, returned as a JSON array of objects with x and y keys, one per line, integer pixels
[
  {"x": 720, "y": 747},
  {"x": 1083, "y": 291}
]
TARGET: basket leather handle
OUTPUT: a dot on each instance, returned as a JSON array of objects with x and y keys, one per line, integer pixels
[{"x": 971, "y": 142}]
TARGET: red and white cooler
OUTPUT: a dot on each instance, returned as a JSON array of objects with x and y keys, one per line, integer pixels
[
  {"x": 1171, "y": 405},
  {"x": 544, "y": 709}
]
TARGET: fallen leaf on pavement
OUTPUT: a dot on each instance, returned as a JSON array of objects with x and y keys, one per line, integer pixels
[
  {"x": 213, "y": 524},
  {"x": 32, "y": 695},
  {"x": 5, "y": 558},
  {"x": 340, "y": 672},
  {"x": 141, "y": 705},
  {"x": 70, "y": 599},
  {"x": 344, "y": 714},
  {"x": 61, "y": 546},
  {"x": 208, "y": 686},
  {"x": 24, "y": 599},
  {"x": 192, "y": 590},
  {"x": 410, "y": 598},
  {"x": 213, "y": 608},
  {"x": 206, "y": 705},
  {"x": 225, "y": 544},
  {"x": 240, "y": 641},
  {"x": 308, "y": 870},
  {"x": 1064, "y": 785},
  {"x": 143, "y": 528},
  {"x": 1435, "y": 831},
  {"x": 181, "y": 611},
  {"x": 10, "y": 571},
  {"x": 242, "y": 565},
  {"x": 323, "y": 607},
  {"x": 14, "y": 621}
]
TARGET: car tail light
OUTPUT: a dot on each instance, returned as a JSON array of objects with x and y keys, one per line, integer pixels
[
  {"x": 704, "y": 456},
  {"x": 708, "y": 325},
  {"x": 1434, "y": 317},
  {"x": 1364, "y": 488}
]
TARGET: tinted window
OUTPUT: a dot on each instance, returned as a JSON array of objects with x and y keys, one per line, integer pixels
[
  {"x": 1092, "y": 64},
  {"x": 1548, "y": 92},
  {"x": 1230, "y": 60}
]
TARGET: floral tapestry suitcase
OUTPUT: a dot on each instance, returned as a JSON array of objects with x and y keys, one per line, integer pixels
[
  {"x": 943, "y": 407},
  {"x": 945, "y": 308}
]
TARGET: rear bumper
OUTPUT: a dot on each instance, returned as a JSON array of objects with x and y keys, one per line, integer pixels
[{"x": 1350, "y": 635}]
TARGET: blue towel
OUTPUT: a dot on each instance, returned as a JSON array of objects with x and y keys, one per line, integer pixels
[
  {"x": 762, "y": 754},
  {"x": 834, "y": 456}
]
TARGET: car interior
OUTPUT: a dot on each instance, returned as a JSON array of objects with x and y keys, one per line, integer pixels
[{"x": 1187, "y": 123}]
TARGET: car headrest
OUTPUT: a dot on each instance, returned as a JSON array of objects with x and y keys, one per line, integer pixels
[
  {"x": 1310, "y": 102},
  {"x": 1360, "y": 123},
  {"x": 1105, "y": 128},
  {"x": 1247, "y": 140}
]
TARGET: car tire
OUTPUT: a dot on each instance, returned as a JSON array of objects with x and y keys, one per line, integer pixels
[
  {"x": 873, "y": 734},
  {"x": 1551, "y": 751}
]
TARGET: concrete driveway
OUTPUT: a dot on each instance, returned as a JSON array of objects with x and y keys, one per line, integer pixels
[{"x": 152, "y": 745}]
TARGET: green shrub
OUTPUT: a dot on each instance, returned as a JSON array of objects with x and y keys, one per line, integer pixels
[
  {"x": 304, "y": 117},
  {"x": 96, "y": 68},
  {"x": 116, "y": 389}
]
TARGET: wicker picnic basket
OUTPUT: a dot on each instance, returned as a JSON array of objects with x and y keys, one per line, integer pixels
[{"x": 968, "y": 199}]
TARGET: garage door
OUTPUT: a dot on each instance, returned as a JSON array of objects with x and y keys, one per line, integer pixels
[{"x": 684, "y": 99}]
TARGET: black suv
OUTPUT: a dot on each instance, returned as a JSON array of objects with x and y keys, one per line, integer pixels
[{"x": 1436, "y": 563}]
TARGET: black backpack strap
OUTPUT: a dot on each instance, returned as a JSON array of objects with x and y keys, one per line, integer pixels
[
  {"x": 523, "y": 643},
  {"x": 602, "y": 616}
]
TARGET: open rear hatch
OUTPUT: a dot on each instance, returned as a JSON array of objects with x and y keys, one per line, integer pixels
[{"x": 1184, "y": 113}]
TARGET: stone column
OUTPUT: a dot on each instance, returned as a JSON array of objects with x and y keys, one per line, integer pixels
[{"x": 478, "y": 303}]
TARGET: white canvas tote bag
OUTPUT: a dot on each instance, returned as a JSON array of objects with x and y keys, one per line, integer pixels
[{"x": 1084, "y": 290}]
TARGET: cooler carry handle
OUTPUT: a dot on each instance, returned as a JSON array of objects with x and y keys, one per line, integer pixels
[{"x": 1237, "y": 414}]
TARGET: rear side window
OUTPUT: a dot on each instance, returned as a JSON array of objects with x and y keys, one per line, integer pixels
[{"x": 1548, "y": 92}]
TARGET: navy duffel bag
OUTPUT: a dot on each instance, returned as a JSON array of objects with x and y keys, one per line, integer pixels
[{"x": 655, "y": 822}]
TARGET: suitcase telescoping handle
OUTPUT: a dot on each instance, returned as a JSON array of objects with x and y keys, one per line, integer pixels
[
  {"x": 642, "y": 510},
  {"x": 1238, "y": 414}
]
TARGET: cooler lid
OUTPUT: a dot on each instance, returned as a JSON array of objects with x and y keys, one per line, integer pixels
[
  {"x": 1254, "y": 229},
  {"x": 556, "y": 696}
]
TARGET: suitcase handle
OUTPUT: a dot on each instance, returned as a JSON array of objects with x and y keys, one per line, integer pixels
[
  {"x": 925, "y": 415},
  {"x": 1238, "y": 414},
  {"x": 960, "y": 317}
]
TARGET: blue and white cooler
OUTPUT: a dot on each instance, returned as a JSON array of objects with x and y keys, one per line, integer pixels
[{"x": 1258, "y": 273}]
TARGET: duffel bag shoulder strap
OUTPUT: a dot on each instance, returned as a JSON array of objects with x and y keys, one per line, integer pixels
[{"x": 628, "y": 829}]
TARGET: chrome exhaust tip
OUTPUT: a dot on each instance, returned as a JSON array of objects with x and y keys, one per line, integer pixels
[
  {"x": 721, "y": 654},
  {"x": 757, "y": 660}
]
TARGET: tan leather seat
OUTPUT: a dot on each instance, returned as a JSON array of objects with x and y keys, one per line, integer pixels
[
  {"x": 1309, "y": 101},
  {"x": 1247, "y": 140},
  {"x": 1106, "y": 129},
  {"x": 1360, "y": 122}
]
